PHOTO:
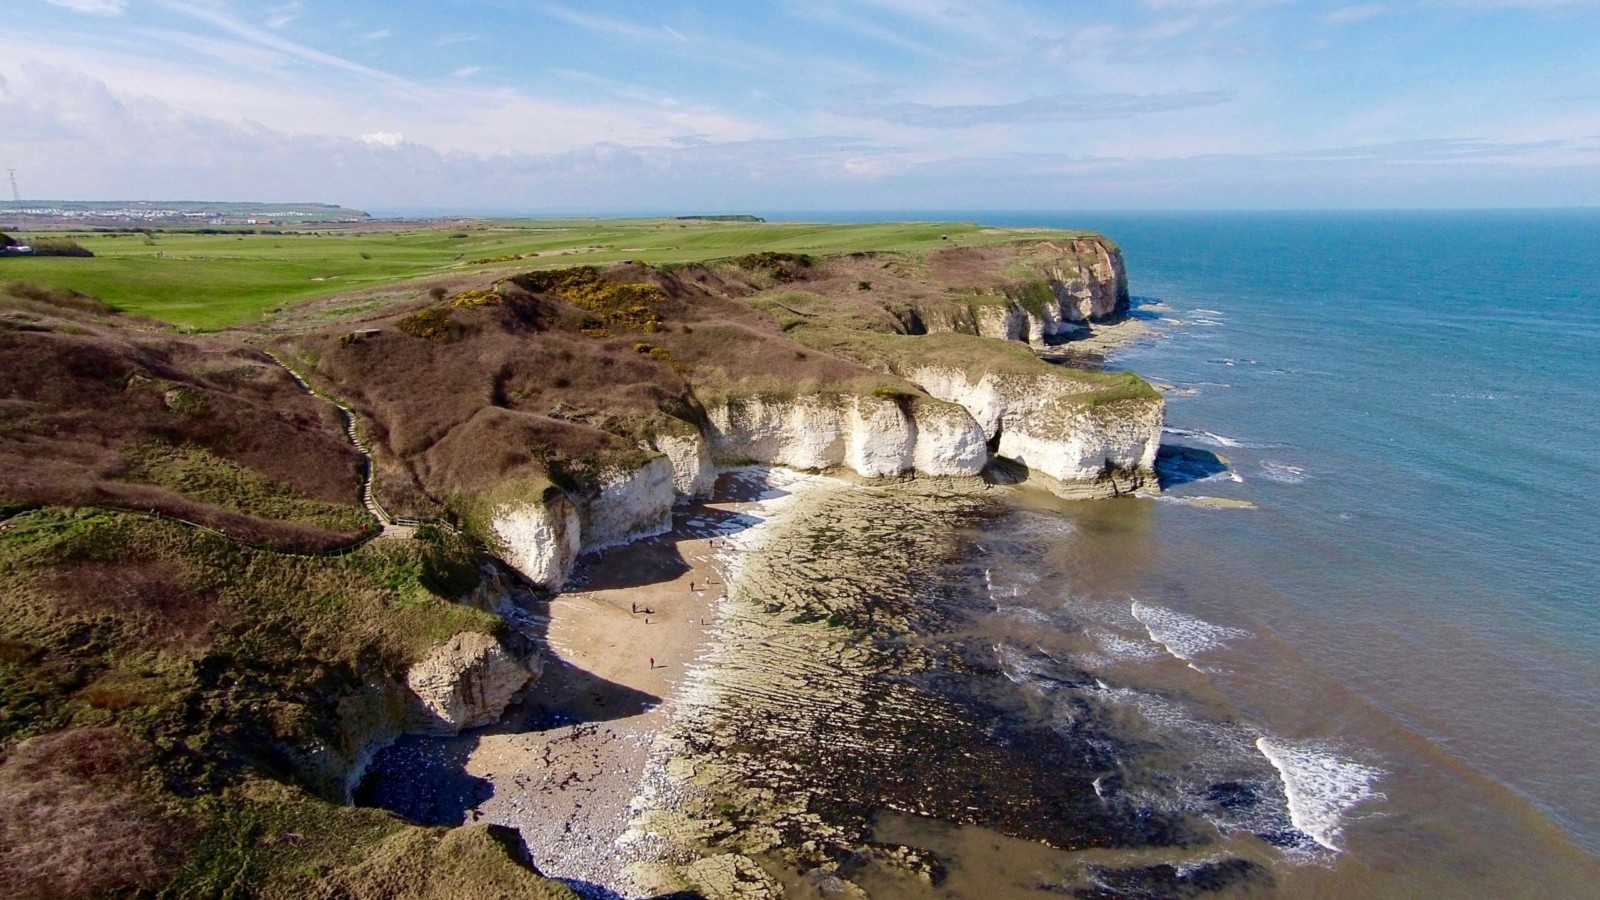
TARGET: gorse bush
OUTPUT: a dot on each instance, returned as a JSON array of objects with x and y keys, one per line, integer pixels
[
  {"x": 781, "y": 266},
  {"x": 430, "y": 324},
  {"x": 477, "y": 297},
  {"x": 622, "y": 305}
]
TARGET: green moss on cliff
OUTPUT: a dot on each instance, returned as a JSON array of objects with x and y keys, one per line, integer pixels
[{"x": 974, "y": 356}]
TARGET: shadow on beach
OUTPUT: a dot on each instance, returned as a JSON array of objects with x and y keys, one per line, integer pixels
[{"x": 424, "y": 778}]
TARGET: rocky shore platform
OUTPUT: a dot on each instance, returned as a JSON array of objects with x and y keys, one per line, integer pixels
[{"x": 808, "y": 719}]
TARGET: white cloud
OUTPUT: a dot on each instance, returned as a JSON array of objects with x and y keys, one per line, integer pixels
[
  {"x": 384, "y": 139},
  {"x": 282, "y": 16},
  {"x": 1346, "y": 15},
  {"x": 215, "y": 17},
  {"x": 94, "y": 7},
  {"x": 466, "y": 71},
  {"x": 380, "y": 34}
]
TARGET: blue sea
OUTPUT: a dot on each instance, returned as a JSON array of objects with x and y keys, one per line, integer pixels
[{"x": 1401, "y": 612}]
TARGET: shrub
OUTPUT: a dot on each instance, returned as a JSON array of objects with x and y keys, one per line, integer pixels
[
  {"x": 781, "y": 266},
  {"x": 430, "y": 324},
  {"x": 477, "y": 297},
  {"x": 60, "y": 247},
  {"x": 610, "y": 304},
  {"x": 61, "y": 297}
]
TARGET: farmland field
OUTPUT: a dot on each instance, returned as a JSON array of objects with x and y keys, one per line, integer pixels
[{"x": 210, "y": 281}]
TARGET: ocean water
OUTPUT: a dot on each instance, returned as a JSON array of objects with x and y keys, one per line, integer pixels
[{"x": 1406, "y": 627}]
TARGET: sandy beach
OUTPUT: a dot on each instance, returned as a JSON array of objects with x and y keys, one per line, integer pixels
[{"x": 621, "y": 643}]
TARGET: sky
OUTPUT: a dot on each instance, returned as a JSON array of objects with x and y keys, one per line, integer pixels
[{"x": 608, "y": 106}]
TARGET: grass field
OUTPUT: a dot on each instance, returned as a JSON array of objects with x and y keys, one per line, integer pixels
[{"x": 210, "y": 281}]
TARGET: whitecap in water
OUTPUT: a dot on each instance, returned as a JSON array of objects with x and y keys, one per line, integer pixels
[
  {"x": 1283, "y": 473},
  {"x": 1184, "y": 636},
  {"x": 1321, "y": 786}
]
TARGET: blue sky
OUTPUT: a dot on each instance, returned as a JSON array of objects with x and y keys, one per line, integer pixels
[{"x": 664, "y": 106}]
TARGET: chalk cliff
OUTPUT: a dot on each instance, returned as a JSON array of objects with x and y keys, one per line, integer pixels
[
  {"x": 629, "y": 504},
  {"x": 1060, "y": 289},
  {"x": 566, "y": 411},
  {"x": 873, "y": 436},
  {"x": 1087, "y": 441},
  {"x": 468, "y": 680},
  {"x": 540, "y": 535}
]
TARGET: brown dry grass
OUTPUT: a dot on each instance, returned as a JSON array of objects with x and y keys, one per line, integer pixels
[
  {"x": 81, "y": 390},
  {"x": 72, "y": 824},
  {"x": 150, "y": 595},
  {"x": 532, "y": 387}
]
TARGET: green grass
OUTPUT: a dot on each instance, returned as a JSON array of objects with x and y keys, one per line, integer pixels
[
  {"x": 203, "y": 476},
  {"x": 225, "y": 666},
  {"x": 211, "y": 281}
]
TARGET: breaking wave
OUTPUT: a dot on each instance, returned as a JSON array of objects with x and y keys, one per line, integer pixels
[
  {"x": 1185, "y": 637},
  {"x": 1321, "y": 786}
]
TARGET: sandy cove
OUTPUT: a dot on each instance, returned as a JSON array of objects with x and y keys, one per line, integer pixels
[{"x": 621, "y": 642}]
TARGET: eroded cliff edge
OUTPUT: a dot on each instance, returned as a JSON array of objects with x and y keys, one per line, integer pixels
[{"x": 563, "y": 411}]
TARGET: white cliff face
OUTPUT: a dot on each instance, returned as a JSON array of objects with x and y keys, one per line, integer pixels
[
  {"x": 1004, "y": 323},
  {"x": 1046, "y": 423},
  {"x": 1050, "y": 319},
  {"x": 876, "y": 437},
  {"x": 541, "y": 538},
  {"x": 805, "y": 433},
  {"x": 467, "y": 681},
  {"x": 992, "y": 398},
  {"x": 1086, "y": 282},
  {"x": 630, "y": 505},
  {"x": 694, "y": 475},
  {"x": 949, "y": 443},
  {"x": 1088, "y": 450}
]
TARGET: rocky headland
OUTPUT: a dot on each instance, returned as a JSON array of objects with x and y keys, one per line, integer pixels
[
  {"x": 272, "y": 603},
  {"x": 564, "y": 412}
]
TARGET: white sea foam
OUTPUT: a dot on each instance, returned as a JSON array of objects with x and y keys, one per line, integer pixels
[
  {"x": 1205, "y": 437},
  {"x": 1206, "y": 502},
  {"x": 1115, "y": 646},
  {"x": 1011, "y": 584},
  {"x": 1184, "y": 636},
  {"x": 1024, "y": 613},
  {"x": 1283, "y": 473},
  {"x": 1321, "y": 786},
  {"x": 1021, "y": 667}
]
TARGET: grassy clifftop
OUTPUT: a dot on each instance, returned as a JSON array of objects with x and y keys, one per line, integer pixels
[
  {"x": 179, "y": 707},
  {"x": 219, "y": 280}
]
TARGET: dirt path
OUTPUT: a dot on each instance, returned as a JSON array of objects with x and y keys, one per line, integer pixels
[{"x": 388, "y": 526}]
